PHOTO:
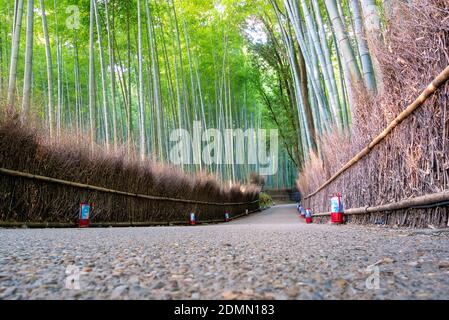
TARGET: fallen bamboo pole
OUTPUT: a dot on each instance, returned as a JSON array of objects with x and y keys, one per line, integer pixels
[
  {"x": 430, "y": 89},
  {"x": 426, "y": 200},
  {"x": 123, "y": 193}
]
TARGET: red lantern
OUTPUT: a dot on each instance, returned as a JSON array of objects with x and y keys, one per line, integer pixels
[
  {"x": 192, "y": 219},
  {"x": 84, "y": 215},
  {"x": 308, "y": 215},
  {"x": 336, "y": 209}
]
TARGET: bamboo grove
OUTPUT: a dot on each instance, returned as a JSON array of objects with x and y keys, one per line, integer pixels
[
  {"x": 127, "y": 73},
  {"x": 320, "y": 51}
]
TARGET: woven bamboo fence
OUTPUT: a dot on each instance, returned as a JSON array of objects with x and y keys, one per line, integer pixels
[
  {"x": 42, "y": 184},
  {"x": 400, "y": 172}
]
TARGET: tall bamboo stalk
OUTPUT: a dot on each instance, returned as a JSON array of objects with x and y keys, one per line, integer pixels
[
  {"x": 343, "y": 40},
  {"x": 28, "y": 60},
  {"x": 333, "y": 95},
  {"x": 91, "y": 73},
  {"x": 372, "y": 24},
  {"x": 112, "y": 72},
  {"x": 14, "y": 52},
  {"x": 367, "y": 65},
  {"x": 49, "y": 69},
  {"x": 140, "y": 80},
  {"x": 103, "y": 78}
]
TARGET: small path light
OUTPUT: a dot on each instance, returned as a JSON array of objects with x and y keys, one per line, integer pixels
[
  {"x": 336, "y": 209},
  {"x": 308, "y": 215},
  {"x": 192, "y": 219},
  {"x": 302, "y": 212},
  {"x": 84, "y": 214},
  {"x": 227, "y": 217}
]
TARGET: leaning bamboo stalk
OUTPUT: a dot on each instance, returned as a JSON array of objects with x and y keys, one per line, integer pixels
[
  {"x": 106, "y": 190},
  {"x": 426, "y": 200},
  {"x": 430, "y": 89}
]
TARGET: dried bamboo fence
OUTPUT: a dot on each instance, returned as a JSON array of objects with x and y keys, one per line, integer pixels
[
  {"x": 238, "y": 208},
  {"x": 42, "y": 184},
  {"x": 397, "y": 212},
  {"x": 409, "y": 159},
  {"x": 431, "y": 88}
]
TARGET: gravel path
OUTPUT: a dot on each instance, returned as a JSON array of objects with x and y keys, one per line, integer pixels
[{"x": 268, "y": 255}]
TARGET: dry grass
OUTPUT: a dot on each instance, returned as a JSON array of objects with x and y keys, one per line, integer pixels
[
  {"x": 414, "y": 159},
  {"x": 28, "y": 149}
]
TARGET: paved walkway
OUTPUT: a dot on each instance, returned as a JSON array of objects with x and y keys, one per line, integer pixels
[{"x": 268, "y": 255}]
